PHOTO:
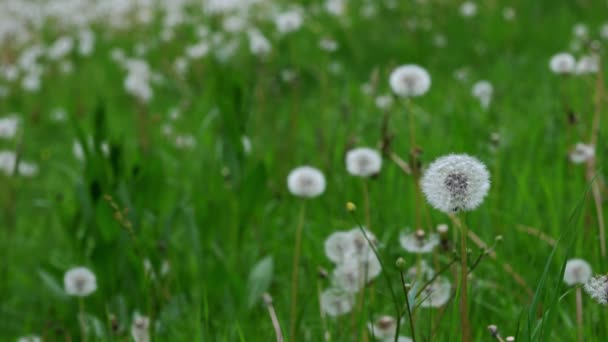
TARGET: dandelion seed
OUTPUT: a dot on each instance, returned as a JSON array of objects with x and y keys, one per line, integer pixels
[
  {"x": 456, "y": 182},
  {"x": 306, "y": 181},
  {"x": 410, "y": 80},
  {"x": 140, "y": 328},
  {"x": 418, "y": 242},
  {"x": 581, "y": 153},
  {"x": 597, "y": 288},
  {"x": 363, "y": 162},
  {"x": 577, "y": 271},
  {"x": 336, "y": 302},
  {"x": 562, "y": 63},
  {"x": 79, "y": 282},
  {"x": 335, "y": 7},
  {"x": 468, "y": 9},
  {"x": 384, "y": 327},
  {"x": 436, "y": 294}
]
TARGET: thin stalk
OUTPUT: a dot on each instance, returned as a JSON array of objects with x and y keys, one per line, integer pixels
[
  {"x": 294, "y": 278},
  {"x": 366, "y": 203},
  {"x": 384, "y": 274},
  {"x": 414, "y": 163},
  {"x": 273, "y": 317},
  {"x": 326, "y": 333},
  {"x": 464, "y": 310},
  {"x": 579, "y": 314},
  {"x": 83, "y": 323},
  {"x": 407, "y": 304}
]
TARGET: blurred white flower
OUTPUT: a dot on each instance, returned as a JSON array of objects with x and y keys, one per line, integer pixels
[
  {"x": 339, "y": 246},
  {"x": 436, "y": 294},
  {"x": 580, "y": 31},
  {"x": 384, "y": 102},
  {"x": 8, "y": 160},
  {"x": 418, "y": 242},
  {"x": 60, "y": 48},
  {"x": 234, "y": 23},
  {"x": 289, "y": 21},
  {"x": 604, "y": 31},
  {"x": 185, "y": 141},
  {"x": 508, "y": 13},
  {"x": 306, "y": 181},
  {"x": 335, "y": 7},
  {"x": 329, "y": 45},
  {"x": 410, "y": 80},
  {"x": 384, "y": 327},
  {"x": 588, "y": 64},
  {"x": 31, "y": 82},
  {"x": 363, "y": 162},
  {"x": 352, "y": 274},
  {"x": 8, "y": 126},
  {"x": 577, "y": 271},
  {"x": 30, "y": 338},
  {"x": 562, "y": 63},
  {"x": 581, "y": 153},
  {"x": 439, "y": 40},
  {"x": 597, "y": 288},
  {"x": 483, "y": 91},
  {"x": 468, "y": 9},
  {"x": 336, "y": 302},
  {"x": 198, "y": 50},
  {"x": 86, "y": 40},
  {"x": 456, "y": 182},
  {"x": 140, "y": 328},
  {"x": 258, "y": 44},
  {"x": 80, "y": 282},
  {"x": 246, "y": 142}
]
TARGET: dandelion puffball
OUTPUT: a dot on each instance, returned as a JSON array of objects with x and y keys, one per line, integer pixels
[
  {"x": 363, "y": 162},
  {"x": 336, "y": 302},
  {"x": 306, "y": 181},
  {"x": 456, "y": 182},
  {"x": 581, "y": 153},
  {"x": 436, "y": 294},
  {"x": 384, "y": 327},
  {"x": 410, "y": 80},
  {"x": 140, "y": 328},
  {"x": 79, "y": 282},
  {"x": 418, "y": 242},
  {"x": 597, "y": 288},
  {"x": 577, "y": 271},
  {"x": 562, "y": 63}
]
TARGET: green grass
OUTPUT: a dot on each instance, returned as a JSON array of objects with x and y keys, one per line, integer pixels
[{"x": 213, "y": 212}]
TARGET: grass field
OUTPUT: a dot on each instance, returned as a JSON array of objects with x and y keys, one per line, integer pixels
[{"x": 159, "y": 160}]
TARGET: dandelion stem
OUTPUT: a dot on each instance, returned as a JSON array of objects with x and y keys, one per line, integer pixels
[
  {"x": 273, "y": 316},
  {"x": 366, "y": 202},
  {"x": 414, "y": 162},
  {"x": 83, "y": 323},
  {"x": 326, "y": 333},
  {"x": 384, "y": 273},
  {"x": 294, "y": 278},
  {"x": 579, "y": 314},
  {"x": 407, "y": 304},
  {"x": 464, "y": 311}
]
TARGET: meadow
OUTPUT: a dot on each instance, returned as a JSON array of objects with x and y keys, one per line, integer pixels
[{"x": 154, "y": 143}]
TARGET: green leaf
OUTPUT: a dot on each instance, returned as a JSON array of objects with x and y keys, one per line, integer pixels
[
  {"x": 52, "y": 284},
  {"x": 259, "y": 279}
]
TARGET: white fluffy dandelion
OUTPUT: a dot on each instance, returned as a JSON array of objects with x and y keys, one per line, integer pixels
[
  {"x": 384, "y": 327},
  {"x": 468, "y": 9},
  {"x": 8, "y": 126},
  {"x": 581, "y": 153},
  {"x": 418, "y": 242},
  {"x": 436, "y": 294},
  {"x": 597, "y": 288},
  {"x": 483, "y": 91},
  {"x": 456, "y": 182},
  {"x": 363, "y": 162},
  {"x": 336, "y": 302},
  {"x": 562, "y": 63},
  {"x": 140, "y": 328},
  {"x": 289, "y": 21},
  {"x": 410, "y": 80},
  {"x": 384, "y": 102},
  {"x": 353, "y": 274},
  {"x": 339, "y": 246},
  {"x": 588, "y": 64},
  {"x": 79, "y": 282},
  {"x": 306, "y": 181},
  {"x": 577, "y": 271}
]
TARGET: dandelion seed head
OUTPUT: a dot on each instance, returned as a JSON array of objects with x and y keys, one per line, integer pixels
[
  {"x": 306, "y": 181},
  {"x": 140, "y": 328},
  {"x": 79, "y": 282},
  {"x": 468, "y": 9},
  {"x": 289, "y": 21},
  {"x": 353, "y": 274},
  {"x": 363, "y": 162},
  {"x": 581, "y": 153},
  {"x": 597, "y": 288},
  {"x": 336, "y": 302},
  {"x": 437, "y": 293},
  {"x": 383, "y": 327},
  {"x": 410, "y": 80},
  {"x": 588, "y": 64},
  {"x": 562, "y": 63},
  {"x": 339, "y": 246},
  {"x": 456, "y": 182},
  {"x": 577, "y": 271}
]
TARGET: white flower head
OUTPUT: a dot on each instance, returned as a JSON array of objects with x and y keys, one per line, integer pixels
[
  {"x": 577, "y": 271},
  {"x": 597, "y": 288},
  {"x": 604, "y": 31},
  {"x": 468, "y": 9},
  {"x": 306, "y": 181},
  {"x": 483, "y": 91},
  {"x": 508, "y": 13},
  {"x": 361, "y": 244},
  {"x": 436, "y": 294},
  {"x": 588, "y": 64},
  {"x": 383, "y": 327},
  {"x": 8, "y": 126},
  {"x": 79, "y": 282},
  {"x": 580, "y": 31},
  {"x": 363, "y": 162},
  {"x": 353, "y": 274},
  {"x": 419, "y": 242},
  {"x": 289, "y": 21},
  {"x": 339, "y": 246},
  {"x": 581, "y": 153},
  {"x": 336, "y": 302},
  {"x": 384, "y": 102},
  {"x": 328, "y": 44},
  {"x": 140, "y": 328},
  {"x": 420, "y": 271},
  {"x": 562, "y": 63},
  {"x": 258, "y": 44},
  {"x": 410, "y": 80},
  {"x": 456, "y": 182}
]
